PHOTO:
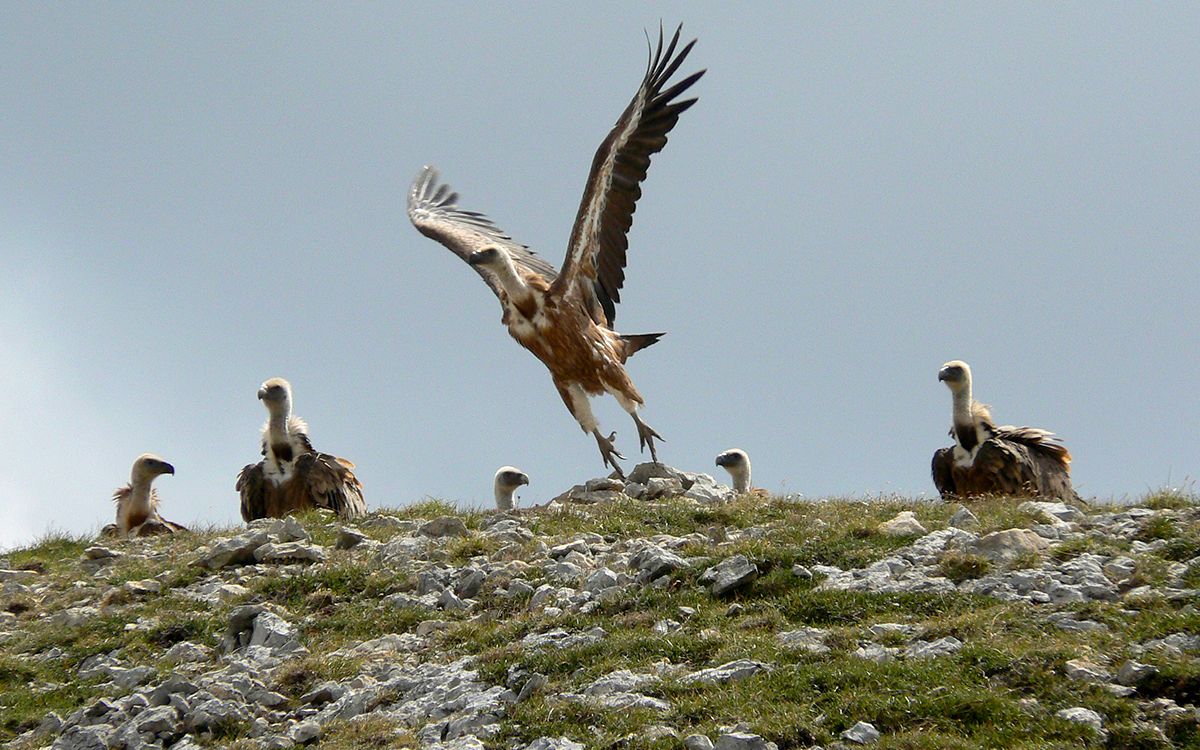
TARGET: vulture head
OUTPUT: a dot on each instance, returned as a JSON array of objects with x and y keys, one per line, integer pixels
[
  {"x": 508, "y": 479},
  {"x": 491, "y": 257},
  {"x": 276, "y": 395},
  {"x": 956, "y": 374},
  {"x": 148, "y": 466},
  {"x": 737, "y": 463}
]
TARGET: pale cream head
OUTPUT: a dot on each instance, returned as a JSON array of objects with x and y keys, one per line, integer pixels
[
  {"x": 506, "y": 482},
  {"x": 148, "y": 466},
  {"x": 737, "y": 462},
  {"x": 492, "y": 257},
  {"x": 276, "y": 395},
  {"x": 956, "y": 374},
  {"x": 496, "y": 261}
]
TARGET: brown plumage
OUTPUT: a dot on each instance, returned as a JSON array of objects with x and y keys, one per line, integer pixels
[
  {"x": 566, "y": 318},
  {"x": 293, "y": 476},
  {"x": 137, "y": 502},
  {"x": 990, "y": 459}
]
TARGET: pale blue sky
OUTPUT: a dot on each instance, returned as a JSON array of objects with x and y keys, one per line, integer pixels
[{"x": 196, "y": 197}]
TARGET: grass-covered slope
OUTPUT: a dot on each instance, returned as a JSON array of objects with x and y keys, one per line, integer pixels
[{"x": 932, "y": 648}]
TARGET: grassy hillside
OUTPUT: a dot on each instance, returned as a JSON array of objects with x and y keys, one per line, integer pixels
[{"x": 924, "y": 653}]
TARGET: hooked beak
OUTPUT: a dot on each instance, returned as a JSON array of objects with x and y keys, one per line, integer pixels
[
  {"x": 168, "y": 468},
  {"x": 943, "y": 375},
  {"x": 262, "y": 393},
  {"x": 524, "y": 479},
  {"x": 474, "y": 259}
]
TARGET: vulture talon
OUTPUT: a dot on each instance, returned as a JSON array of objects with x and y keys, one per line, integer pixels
[
  {"x": 646, "y": 436},
  {"x": 609, "y": 453}
]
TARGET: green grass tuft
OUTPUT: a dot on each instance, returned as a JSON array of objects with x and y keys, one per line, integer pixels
[{"x": 960, "y": 566}]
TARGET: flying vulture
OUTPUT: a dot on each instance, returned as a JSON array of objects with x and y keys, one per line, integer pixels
[
  {"x": 508, "y": 479},
  {"x": 987, "y": 459},
  {"x": 566, "y": 317},
  {"x": 137, "y": 502},
  {"x": 292, "y": 475}
]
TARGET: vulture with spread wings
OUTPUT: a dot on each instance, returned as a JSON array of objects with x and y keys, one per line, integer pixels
[{"x": 566, "y": 317}]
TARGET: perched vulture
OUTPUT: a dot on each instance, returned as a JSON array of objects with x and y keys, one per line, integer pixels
[
  {"x": 508, "y": 479},
  {"x": 737, "y": 463},
  {"x": 137, "y": 502},
  {"x": 987, "y": 459},
  {"x": 292, "y": 475},
  {"x": 566, "y": 317}
]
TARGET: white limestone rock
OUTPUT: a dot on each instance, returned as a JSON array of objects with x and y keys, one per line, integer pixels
[
  {"x": 811, "y": 640},
  {"x": 739, "y": 740},
  {"x": 862, "y": 733},
  {"x": 963, "y": 518},
  {"x": 733, "y": 671},
  {"x": 904, "y": 524},
  {"x": 932, "y": 649},
  {"x": 1082, "y": 715},
  {"x": 444, "y": 526},
  {"x": 289, "y": 552},
  {"x": 730, "y": 575},
  {"x": 1085, "y": 671},
  {"x": 1007, "y": 545}
]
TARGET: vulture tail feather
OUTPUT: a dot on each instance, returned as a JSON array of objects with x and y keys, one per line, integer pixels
[{"x": 635, "y": 342}]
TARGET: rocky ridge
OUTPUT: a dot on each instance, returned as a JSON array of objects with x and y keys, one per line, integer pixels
[{"x": 620, "y": 607}]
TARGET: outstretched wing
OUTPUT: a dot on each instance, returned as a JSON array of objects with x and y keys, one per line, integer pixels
[
  {"x": 330, "y": 484},
  {"x": 595, "y": 264},
  {"x": 433, "y": 209}
]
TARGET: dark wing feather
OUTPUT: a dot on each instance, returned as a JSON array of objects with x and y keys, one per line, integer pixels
[
  {"x": 595, "y": 264},
  {"x": 1038, "y": 440},
  {"x": 1047, "y": 460},
  {"x": 331, "y": 484},
  {"x": 434, "y": 211},
  {"x": 943, "y": 475},
  {"x": 1020, "y": 465},
  {"x": 251, "y": 487},
  {"x": 174, "y": 527},
  {"x": 1002, "y": 467}
]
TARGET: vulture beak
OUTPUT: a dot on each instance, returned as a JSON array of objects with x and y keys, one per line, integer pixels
[
  {"x": 168, "y": 468},
  {"x": 474, "y": 259},
  {"x": 723, "y": 460},
  {"x": 262, "y": 393},
  {"x": 943, "y": 375},
  {"x": 524, "y": 479}
]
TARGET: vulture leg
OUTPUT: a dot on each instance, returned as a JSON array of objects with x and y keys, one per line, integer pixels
[
  {"x": 646, "y": 436},
  {"x": 609, "y": 453}
]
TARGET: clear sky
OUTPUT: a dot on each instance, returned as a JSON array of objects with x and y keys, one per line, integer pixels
[{"x": 196, "y": 197}]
